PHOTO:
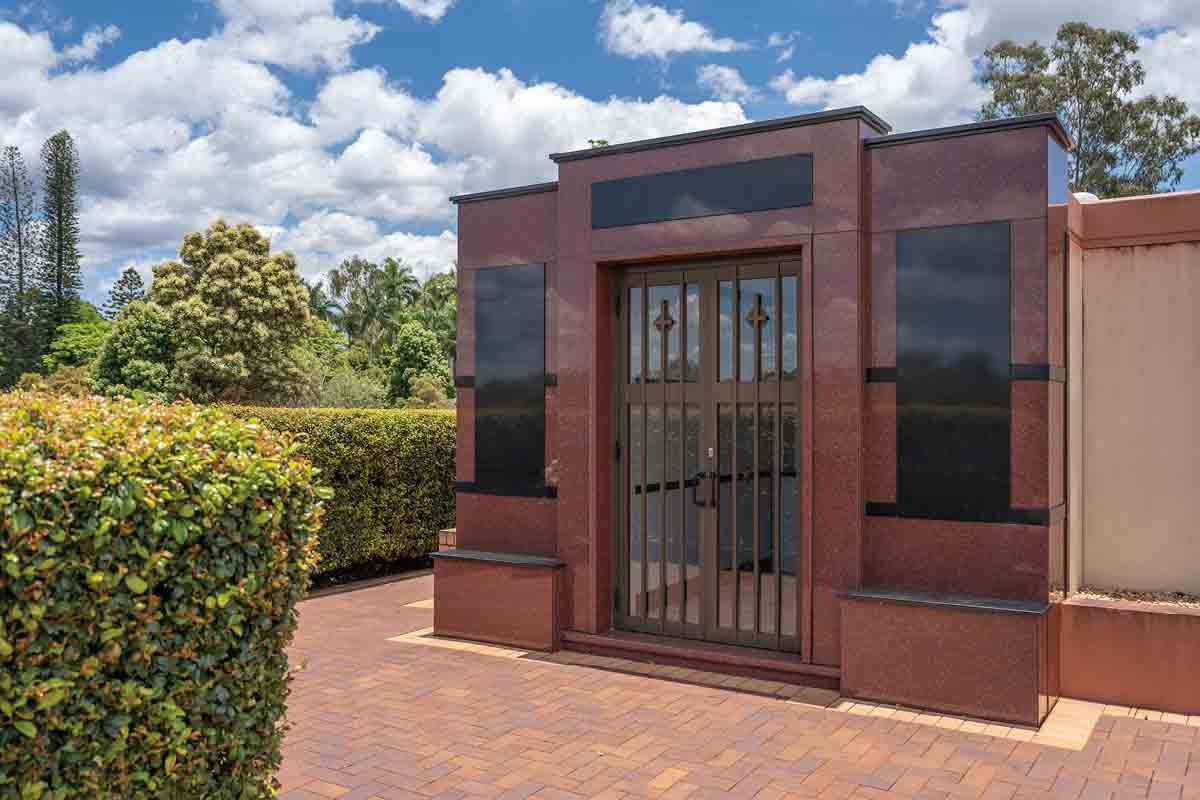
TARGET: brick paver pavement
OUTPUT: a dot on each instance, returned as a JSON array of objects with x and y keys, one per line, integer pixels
[{"x": 374, "y": 717}]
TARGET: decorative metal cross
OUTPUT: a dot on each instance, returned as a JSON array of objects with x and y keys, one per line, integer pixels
[
  {"x": 664, "y": 323},
  {"x": 757, "y": 316}
]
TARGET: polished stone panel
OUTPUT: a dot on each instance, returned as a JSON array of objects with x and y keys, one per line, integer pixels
[
  {"x": 941, "y": 657},
  {"x": 1029, "y": 292},
  {"x": 882, "y": 352},
  {"x": 1056, "y": 172},
  {"x": 1031, "y": 444},
  {"x": 513, "y": 230},
  {"x": 837, "y": 436},
  {"x": 1000, "y": 175},
  {"x": 524, "y": 525},
  {"x": 922, "y": 555},
  {"x": 528, "y": 616},
  {"x": 759, "y": 185},
  {"x": 952, "y": 392},
  {"x": 880, "y": 443},
  {"x": 510, "y": 384},
  {"x": 464, "y": 436}
]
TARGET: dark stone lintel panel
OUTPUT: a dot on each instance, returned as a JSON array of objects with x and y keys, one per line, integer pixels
[{"x": 738, "y": 187}]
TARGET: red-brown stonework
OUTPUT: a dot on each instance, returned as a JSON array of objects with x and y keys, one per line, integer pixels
[
  {"x": 526, "y": 616},
  {"x": 982, "y": 663},
  {"x": 864, "y": 190}
]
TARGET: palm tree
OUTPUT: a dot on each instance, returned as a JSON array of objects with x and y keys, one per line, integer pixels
[{"x": 321, "y": 304}]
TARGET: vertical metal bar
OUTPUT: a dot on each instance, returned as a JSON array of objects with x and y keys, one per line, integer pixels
[
  {"x": 777, "y": 471},
  {"x": 736, "y": 360},
  {"x": 683, "y": 449},
  {"x": 756, "y": 417},
  {"x": 664, "y": 456},
  {"x": 643, "y": 603}
]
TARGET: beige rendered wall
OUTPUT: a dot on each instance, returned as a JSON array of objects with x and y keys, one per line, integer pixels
[{"x": 1140, "y": 408}]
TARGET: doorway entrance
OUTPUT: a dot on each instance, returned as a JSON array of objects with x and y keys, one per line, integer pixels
[{"x": 709, "y": 453}]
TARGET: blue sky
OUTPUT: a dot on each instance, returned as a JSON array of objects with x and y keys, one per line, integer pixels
[{"x": 341, "y": 126}]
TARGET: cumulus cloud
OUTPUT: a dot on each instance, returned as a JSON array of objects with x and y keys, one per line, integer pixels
[
  {"x": 785, "y": 43},
  {"x": 182, "y": 132},
  {"x": 931, "y": 83},
  {"x": 432, "y": 10},
  {"x": 634, "y": 29},
  {"x": 725, "y": 83},
  {"x": 935, "y": 81},
  {"x": 93, "y": 40}
]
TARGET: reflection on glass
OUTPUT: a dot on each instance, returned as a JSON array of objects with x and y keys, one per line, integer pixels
[
  {"x": 766, "y": 518},
  {"x": 789, "y": 500},
  {"x": 725, "y": 515},
  {"x": 673, "y": 496},
  {"x": 757, "y": 315},
  {"x": 691, "y": 564},
  {"x": 664, "y": 333},
  {"x": 637, "y": 326},
  {"x": 791, "y": 335},
  {"x": 1056, "y": 172},
  {"x": 693, "y": 333},
  {"x": 725, "y": 335},
  {"x": 745, "y": 470},
  {"x": 654, "y": 509},
  {"x": 636, "y": 495}
]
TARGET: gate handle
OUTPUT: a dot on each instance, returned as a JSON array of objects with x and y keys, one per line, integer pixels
[{"x": 711, "y": 477}]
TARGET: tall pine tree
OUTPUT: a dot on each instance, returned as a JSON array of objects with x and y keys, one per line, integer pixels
[
  {"x": 128, "y": 288},
  {"x": 19, "y": 239},
  {"x": 58, "y": 279}
]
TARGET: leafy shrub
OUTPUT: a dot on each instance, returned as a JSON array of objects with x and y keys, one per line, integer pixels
[
  {"x": 392, "y": 473},
  {"x": 137, "y": 354},
  {"x": 351, "y": 388},
  {"x": 416, "y": 351},
  {"x": 152, "y": 557},
  {"x": 425, "y": 391}
]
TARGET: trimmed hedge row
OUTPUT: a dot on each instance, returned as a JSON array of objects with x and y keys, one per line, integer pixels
[
  {"x": 392, "y": 472},
  {"x": 151, "y": 558}
]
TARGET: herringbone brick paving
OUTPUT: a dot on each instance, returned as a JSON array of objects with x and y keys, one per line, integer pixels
[{"x": 373, "y": 718}]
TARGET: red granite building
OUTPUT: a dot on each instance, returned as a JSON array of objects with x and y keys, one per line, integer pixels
[{"x": 785, "y": 399}]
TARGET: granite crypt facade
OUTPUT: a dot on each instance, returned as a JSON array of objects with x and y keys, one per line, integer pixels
[{"x": 787, "y": 398}]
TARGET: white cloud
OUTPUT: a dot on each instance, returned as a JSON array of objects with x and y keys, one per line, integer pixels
[
  {"x": 180, "y": 133},
  {"x": 1172, "y": 61},
  {"x": 93, "y": 40},
  {"x": 634, "y": 29},
  {"x": 432, "y": 10},
  {"x": 932, "y": 83},
  {"x": 297, "y": 34},
  {"x": 725, "y": 83},
  {"x": 785, "y": 43}
]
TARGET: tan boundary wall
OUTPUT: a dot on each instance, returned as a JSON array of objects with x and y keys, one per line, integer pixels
[{"x": 1134, "y": 399}]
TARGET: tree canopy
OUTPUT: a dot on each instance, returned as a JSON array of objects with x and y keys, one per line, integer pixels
[{"x": 1126, "y": 141}]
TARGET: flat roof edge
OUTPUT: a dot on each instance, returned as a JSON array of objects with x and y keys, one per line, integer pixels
[
  {"x": 833, "y": 115},
  {"x": 1049, "y": 120},
  {"x": 512, "y": 191}
]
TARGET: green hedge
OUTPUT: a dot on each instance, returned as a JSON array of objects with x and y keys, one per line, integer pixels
[
  {"x": 152, "y": 559},
  {"x": 392, "y": 473}
]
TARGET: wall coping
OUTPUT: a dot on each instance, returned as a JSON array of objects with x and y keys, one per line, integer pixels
[
  {"x": 1132, "y": 605},
  {"x": 1152, "y": 219}
]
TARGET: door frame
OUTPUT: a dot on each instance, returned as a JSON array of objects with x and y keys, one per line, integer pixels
[{"x": 719, "y": 268}]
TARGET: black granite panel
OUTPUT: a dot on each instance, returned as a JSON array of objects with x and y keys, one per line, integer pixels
[
  {"x": 952, "y": 361},
  {"x": 510, "y": 382},
  {"x": 741, "y": 187}
]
